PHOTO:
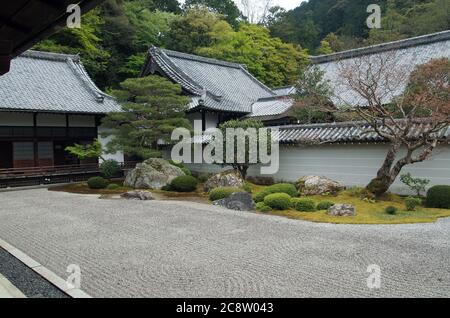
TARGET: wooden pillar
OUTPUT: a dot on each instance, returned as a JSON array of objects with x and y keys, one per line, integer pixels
[
  {"x": 203, "y": 120},
  {"x": 67, "y": 126},
  {"x": 35, "y": 141}
]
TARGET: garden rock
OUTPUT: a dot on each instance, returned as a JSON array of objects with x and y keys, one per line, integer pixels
[
  {"x": 229, "y": 178},
  {"x": 153, "y": 173},
  {"x": 138, "y": 195},
  {"x": 240, "y": 201},
  {"x": 316, "y": 185},
  {"x": 342, "y": 210}
]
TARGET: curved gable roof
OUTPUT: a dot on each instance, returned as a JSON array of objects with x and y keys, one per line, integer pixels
[
  {"x": 215, "y": 85},
  {"x": 51, "y": 82}
]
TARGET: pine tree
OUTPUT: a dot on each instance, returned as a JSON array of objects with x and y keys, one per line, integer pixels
[{"x": 152, "y": 108}]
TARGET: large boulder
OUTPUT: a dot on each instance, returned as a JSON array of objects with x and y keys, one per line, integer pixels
[
  {"x": 153, "y": 173},
  {"x": 239, "y": 201},
  {"x": 316, "y": 185},
  {"x": 229, "y": 178},
  {"x": 342, "y": 210}
]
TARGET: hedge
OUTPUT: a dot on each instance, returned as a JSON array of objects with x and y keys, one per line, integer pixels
[
  {"x": 184, "y": 184},
  {"x": 303, "y": 205},
  {"x": 287, "y": 188},
  {"x": 278, "y": 201},
  {"x": 222, "y": 193},
  {"x": 97, "y": 183},
  {"x": 438, "y": 197}
]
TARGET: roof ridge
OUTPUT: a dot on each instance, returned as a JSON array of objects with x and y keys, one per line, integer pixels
[
  {"x": 383, "y": 47},
  {"x": 61, "y": 57},
  {"x": 199, "y": 58}
]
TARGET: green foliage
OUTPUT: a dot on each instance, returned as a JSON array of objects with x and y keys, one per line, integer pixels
[
  {"x": 438, "y": 197},
  {"x": 222, "y": 192},
  {"x": 287, "y": 188},
  {"x": 203, "y": 177},
  {"x": 97, "y": 183},
  {"x": 417, "y": 185},
  {"x": 247, "y": 188},
  {"x": 240, "y": 126},
  {"x": 262, "y": 207},
  {"x": 324, "y": 205},
  {"x": 82, "y": 152},
  {"x": 392, "y": 210},
  {"x": 152, "y": 108},
  {"x": 325, "y": 48},
  {"x": 182, "y": 167},
  {"x": 227, "y": 8},
  {"x": 110, "y": 168},
  {"x": 411, "y": 203},
  {"x": 184, "y": 184},
  {"x": 313, "y": 97},
  {"x": 113, "y": 186},
  {"x": 192, "y": 30},
  {"x": 278, "y": 201},
  {"x": 269, "y": 59},
  {"x": 303, "y": 205}
]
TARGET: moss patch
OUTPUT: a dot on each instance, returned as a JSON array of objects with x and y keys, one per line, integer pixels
[{"x": 367, "y": 213}]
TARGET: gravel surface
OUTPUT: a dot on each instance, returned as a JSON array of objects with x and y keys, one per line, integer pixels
[
  {"x": 179, "y": 249},
  {"x": 26, "y": 280}
]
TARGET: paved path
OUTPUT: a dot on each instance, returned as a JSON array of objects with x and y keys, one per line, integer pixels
[
  {"x": 8, "y": 290},
  {"x": 159, "y": 249}
]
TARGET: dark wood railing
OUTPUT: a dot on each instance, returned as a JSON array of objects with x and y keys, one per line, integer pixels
[{"x": 53, "y": 174}]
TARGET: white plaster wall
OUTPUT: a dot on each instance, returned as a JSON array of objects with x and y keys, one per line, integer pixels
[
  {"x": 119, "y": 157},
  {"x": 211, "y": 119},
  {"x": 354, "y": 165},
  {"x": 16, "y": 119}
]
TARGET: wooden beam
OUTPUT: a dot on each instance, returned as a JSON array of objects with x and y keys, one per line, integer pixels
[
  {"x": 13, "y": 25},
  {"x": 5, "y": 56}
]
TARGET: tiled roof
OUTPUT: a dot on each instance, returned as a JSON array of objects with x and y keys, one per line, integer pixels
[
  {"x": 407, "y": 53},
  {"x": 271, "y": 108},
  {"x": 50, "y": 82},
  {"x": 284, "y": 91},
  {"x": 343, "y": 133},
  {"x": 213, "y": 84}
]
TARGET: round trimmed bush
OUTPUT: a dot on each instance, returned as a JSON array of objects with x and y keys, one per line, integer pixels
[
  {"x": 184, "y": 184},
  {"x": 261, "y": 207},
  {"x": 278, "y": 201},
  {"x": 110, "y": 168},
  {"x": 113, "y": 186},
  {"x": 97, "y": 183},
  {"x": 412, "y": 203},
  {"x": 222, "y": 193},
  {"x": 303, "y": 205},
  {"x": 324, "y": 205},
  {"x": 392, "y": 210},
  {"x": 438, "y": 197},
  {"x": 287, "y": 188}
]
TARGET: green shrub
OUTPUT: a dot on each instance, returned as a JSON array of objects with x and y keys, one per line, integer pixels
[
  {"x": 247, "y": 188},
  {"x": 182, "y": 167},
  {"x": 324, "y": 205},
  {"x": 278, "y": 201},
  {"x": 110, "y": 168},
  {"x": 222, "y": 193},
  {"x": 262, "y": 207},
  {"x": 97, "y": 183},
  {"x": 203, "y": 177},
  {"x": 417, "y": 185},
  {"x": 287, "y": 188},
  {"x": 412, "y": 203},
  {"x": 392, "y": 210},
  {"x": 113, "y": 186},
  {"x": 438, "y": 197},
  {"x": 167, "y": 187},
  {"x": 303, "y": 205},
  {"x": 184, "y": 184}
]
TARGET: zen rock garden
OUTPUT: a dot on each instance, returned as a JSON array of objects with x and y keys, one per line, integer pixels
[{"x": 311, "y": 198}]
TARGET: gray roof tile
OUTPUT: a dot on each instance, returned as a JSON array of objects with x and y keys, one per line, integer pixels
[
  {"x": 407, "y": 54},
  {"x": 214, "y": 84},
  {"x": 50, "y": 82}
]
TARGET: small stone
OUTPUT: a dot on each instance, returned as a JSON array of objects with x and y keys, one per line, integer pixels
[
  {"x": 239, "y": 201},
  {"x": 342, "y": 210},
  {"x": 138, "y": 195}
]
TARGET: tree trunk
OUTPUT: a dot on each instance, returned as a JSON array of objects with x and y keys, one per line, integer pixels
[
  {"x": 385, "y": 178},
  {"x": 242, "y": 170}
]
